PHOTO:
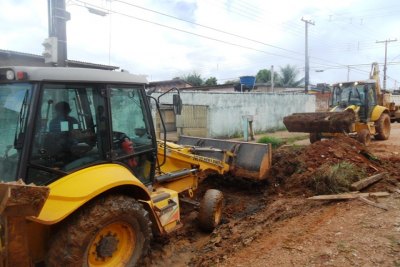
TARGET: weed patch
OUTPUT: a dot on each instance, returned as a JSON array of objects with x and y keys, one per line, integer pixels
[
  {"x": 337, "y": 178},
  {"x": 274, "y": 141}
]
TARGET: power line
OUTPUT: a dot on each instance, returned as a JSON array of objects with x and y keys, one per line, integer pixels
[
  {"x": 211, "y": 28},
  {"x": 188, "y": 32},
  {"x": 207, "y": 27},
  {"x": 292, "y": 28},
  {"x": 211, "y": 38}
]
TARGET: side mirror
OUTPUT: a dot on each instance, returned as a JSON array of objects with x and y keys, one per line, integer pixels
[{"x": 177, "y": 102}]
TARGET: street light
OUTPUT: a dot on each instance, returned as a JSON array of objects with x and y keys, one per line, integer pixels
[
  {"x": 97, "y": 11},
  {"x": 102, "y": 13}
]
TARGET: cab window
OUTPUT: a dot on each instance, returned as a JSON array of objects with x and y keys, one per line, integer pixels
[
  {"x": 132, "y": 142},
  {"x": 69, "y": 131}
]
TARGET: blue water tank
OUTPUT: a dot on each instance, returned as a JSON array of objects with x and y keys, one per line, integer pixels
[{"x": 248, "y": 81}]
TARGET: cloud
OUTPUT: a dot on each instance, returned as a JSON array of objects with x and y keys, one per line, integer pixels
[{"x": 344, "y": 34}]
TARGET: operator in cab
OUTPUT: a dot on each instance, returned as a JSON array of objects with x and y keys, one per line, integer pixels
[{"x": 63, "y": 122}]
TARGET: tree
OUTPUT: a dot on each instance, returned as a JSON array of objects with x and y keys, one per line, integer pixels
[
  {"x": 289, "y": 75},
  {"x": 211, "y": 81},
  {"x": 194, "y": 79},
  {"x": 264, "y": 76},
  {"x": 232, "y": 81}
]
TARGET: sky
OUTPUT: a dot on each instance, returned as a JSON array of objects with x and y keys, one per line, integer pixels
[{"x": 225, "y": 39}]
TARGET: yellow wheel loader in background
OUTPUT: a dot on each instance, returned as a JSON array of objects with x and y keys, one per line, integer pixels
[
  {"x": 84, "y": 180},
  {"x": 359, "y": 109}
]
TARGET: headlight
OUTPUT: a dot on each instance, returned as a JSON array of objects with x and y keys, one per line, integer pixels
[{"x": 10, "y": 75}]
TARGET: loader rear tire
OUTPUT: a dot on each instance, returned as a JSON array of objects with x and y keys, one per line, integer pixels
[
  {"x": 210, "y": 212},
  {"x": 383, "y": 127},
  {"x": 110, "y": 231},
  {"x": 315, "y": 137},
  {"x": 364, "y": 137}
]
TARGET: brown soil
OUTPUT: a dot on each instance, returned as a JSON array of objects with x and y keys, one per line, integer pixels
[
  {"x": 328, "y": 122},
  {"x": 294, "y": 169},
  {"x": 335, "y": 234},
  {"x": 273, "y": 224}
]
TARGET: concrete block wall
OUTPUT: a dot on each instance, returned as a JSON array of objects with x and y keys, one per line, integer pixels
[
  {"x": 193, "y": 121},
  {"x": 322, "y": 101},
  {"x": 225, "y": 110}
]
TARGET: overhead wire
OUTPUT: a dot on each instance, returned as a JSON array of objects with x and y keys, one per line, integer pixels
[
  {"x": 242, "y": 37},
  {"x": 208, "y": 27},
  {"x": 211, "y": 38},
  {"x": 253, "y": 15},
  {"x": 255, "y": 18},
  {"x": 188, "y": 32}
]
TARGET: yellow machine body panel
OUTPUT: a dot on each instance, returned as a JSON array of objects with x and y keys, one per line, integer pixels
[
  {"x": 377, "y": 112},
  {"x": 186, "y": 183},
  {"x": 180, "y": 157},
  {"x": 166, "y": 207},
  {"x": 72, "y": 191},
  {"x": 368, "y": 126},
  {"x": 353, "y": 107}
]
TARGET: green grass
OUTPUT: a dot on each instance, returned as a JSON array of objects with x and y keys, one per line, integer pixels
[
  {"x": 294, "y": 139},
  {"x": 274, "y": 141},
  {"x": 236, "y": 135},
  {"x": 277, "y": 142},
  {"x": 272, "y": 130},
  {"x": 337, "y": 178}
]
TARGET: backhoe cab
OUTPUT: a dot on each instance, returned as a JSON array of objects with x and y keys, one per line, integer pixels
[
  {"x": 357, "y": 109},
  {"x": 85, "y": 181}
]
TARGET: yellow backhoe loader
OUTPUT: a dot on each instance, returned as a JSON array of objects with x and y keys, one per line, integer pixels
[
  {"x": 85, "y": 182},
  {"x": 359, "y": 109}
]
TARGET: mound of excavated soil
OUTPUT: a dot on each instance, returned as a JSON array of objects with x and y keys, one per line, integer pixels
[{"x": 293, "y": 168}]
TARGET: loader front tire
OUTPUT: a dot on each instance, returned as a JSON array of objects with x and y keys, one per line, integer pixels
[
  {"x": 210, "y": 212},
  {"x": 383, "y": 127},
  {"x": 364, "y": 137},
  {"x": 110, "y": 231}
]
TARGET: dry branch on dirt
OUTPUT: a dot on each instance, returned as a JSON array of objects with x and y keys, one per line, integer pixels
[
  {"x": 367, "y": 181},
  {"x": 349, "y": 196}
]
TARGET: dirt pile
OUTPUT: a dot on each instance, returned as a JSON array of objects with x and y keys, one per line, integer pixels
[{"x": 294, "y": 169}]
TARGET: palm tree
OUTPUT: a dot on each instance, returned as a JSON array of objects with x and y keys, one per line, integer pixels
[{"x": 288, "y": 76}]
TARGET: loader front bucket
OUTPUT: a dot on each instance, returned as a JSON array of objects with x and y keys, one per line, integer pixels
[
  {"x": 320, "y": 122},
  {"x": 17, "y": 201},
  {"x": 247, "y": 160}
]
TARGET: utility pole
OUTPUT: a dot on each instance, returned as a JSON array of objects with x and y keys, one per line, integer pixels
[
  {"x": 58, "y": 17},
  {"x": 385, "y": 66},
  {"x": 272, "y": 78},
  {"x": 307, "y": 67},
  {"x": 348, "y": 73}
]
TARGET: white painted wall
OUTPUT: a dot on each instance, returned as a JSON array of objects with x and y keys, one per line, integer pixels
[{"x": 226, "y": 109}]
